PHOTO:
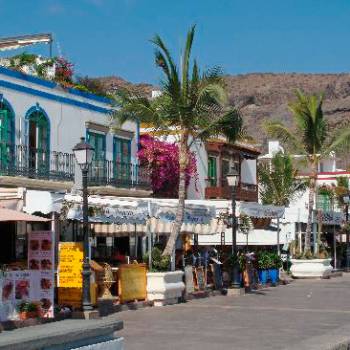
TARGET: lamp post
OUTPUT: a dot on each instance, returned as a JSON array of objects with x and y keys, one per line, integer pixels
[
  {"x": 346, "y": 200},
  {"x": 232, "y": 180},
  {"x": 83, "y": 153}
]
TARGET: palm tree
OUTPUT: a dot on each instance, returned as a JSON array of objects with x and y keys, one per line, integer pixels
[
  {"x": 278, "y": 183},
  {"x": 192, "y": 104},
  {"x": 313, "y": 138}
]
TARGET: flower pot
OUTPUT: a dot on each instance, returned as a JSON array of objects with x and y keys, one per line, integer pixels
[
  {"x": 24, "y": 315},
  {"x": 263, "y": 276},
  {"x": 273, "y": 273},
  {"x": 164, "y": 288},
  {"x": 311, "y": 268}
]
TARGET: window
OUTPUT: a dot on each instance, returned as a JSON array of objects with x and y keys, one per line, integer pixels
[
  {"x": 38, "y": 136},
  {"x": 212, "y": 173},
  {"x": 6, "y": 136},
  {"x": 98, "y": 142},
  {"x": 122, "y": 160}
]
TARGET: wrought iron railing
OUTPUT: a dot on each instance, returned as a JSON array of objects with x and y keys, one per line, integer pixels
[
  {"x": 37, "y": 163},
  {"x": 118, "y": 174}
]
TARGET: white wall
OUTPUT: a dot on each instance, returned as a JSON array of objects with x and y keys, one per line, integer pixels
[{"x": 67, "y": 122}]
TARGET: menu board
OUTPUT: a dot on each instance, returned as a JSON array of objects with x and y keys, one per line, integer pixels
[
  {"x": 70, "y": 266},
  {"x": 41, "y": 263},
  {"x": 132, "y": 282},
  {"x": 29, "y": 285}
]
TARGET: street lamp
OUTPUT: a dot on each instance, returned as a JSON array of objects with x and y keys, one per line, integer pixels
[
  {"x": 346, "y": 200},
  {"x": 83, "y": 153},
  {"x": 232, "y": 180}
]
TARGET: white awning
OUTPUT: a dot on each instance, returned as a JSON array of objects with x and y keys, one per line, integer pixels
[
  {"x": 44, "y": 202},
  {"x": 117, "y": 217},
  {"x": 255, "y": 237}
]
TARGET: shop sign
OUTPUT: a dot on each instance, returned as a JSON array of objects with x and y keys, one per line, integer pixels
[
  {"x": 192, "y": 215},
  {"x": 132, "y": 282}
]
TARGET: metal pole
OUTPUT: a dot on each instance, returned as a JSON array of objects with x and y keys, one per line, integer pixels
[
  {"x": 236, "y": 282},
  {"x": 278, "y": 237},
  {"x": 86, "y": 264},
  {"x": 347, "y": 239}
]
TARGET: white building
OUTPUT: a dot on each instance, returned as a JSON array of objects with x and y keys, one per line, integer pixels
[
  {"x": 293, "y": 225},
  {"x": 40, "y": 123}
]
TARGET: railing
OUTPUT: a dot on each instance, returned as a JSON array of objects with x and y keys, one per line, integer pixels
[
  {"x": 41, "y": 164},
  {"x": 244, "y": 191},
  {"x": 36, "y": 163},
  {"x": 118, "y": 174}
]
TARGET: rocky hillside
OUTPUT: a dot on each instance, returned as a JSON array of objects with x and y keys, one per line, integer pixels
[
  {"x": 263, "y": 96},
  {"x": 266, "y": 96}
]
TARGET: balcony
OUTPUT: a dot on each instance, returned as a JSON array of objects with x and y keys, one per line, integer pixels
[
  {"x": 125, "y": 175},
  {"x": 30, "y": 163},
  {"x": 244, "y": 192}
]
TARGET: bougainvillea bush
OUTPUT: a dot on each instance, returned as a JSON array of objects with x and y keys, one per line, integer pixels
[{"x": 162, "y": 158}]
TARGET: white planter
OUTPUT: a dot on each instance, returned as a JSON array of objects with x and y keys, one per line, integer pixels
[
  {"x": 312, "y": 268},
  {"x": 164, "y": 288}
]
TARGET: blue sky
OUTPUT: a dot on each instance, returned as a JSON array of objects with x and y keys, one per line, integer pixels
[{"x": 111, "y": 37}]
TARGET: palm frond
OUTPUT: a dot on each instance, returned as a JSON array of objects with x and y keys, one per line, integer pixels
[
  {"x": 339, "y": 142},
  {"x": 229, "y": 124},
  {"x": 281, "y": 132},
  {"x": 186, "y": 60}
]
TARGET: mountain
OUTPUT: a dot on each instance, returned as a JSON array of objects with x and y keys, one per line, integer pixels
[{"x": 265, "y": 96}]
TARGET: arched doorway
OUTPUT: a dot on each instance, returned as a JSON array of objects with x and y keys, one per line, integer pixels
[
  {"x": 38, "y": 140},
  {"x": 7, "y": 135}
]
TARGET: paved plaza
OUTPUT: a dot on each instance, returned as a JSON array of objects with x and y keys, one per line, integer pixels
[{"x": 307, "y": 314}]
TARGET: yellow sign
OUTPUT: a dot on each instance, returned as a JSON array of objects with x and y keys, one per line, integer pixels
[
  {"x": 132, "y": 282},
  {"x": 70, "y": 296},
  {"x": 70, "y": 265}
]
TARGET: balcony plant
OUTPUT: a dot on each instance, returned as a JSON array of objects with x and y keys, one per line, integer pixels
[
  {"x": 314, "y": 139},
  {"x": 192, "y": 104}
]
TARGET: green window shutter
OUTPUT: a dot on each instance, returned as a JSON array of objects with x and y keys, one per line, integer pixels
[
  {"x": 212, "y": 175},
  {"x": 122, "y": 159}
]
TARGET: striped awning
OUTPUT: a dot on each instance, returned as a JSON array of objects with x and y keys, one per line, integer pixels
[{"x": 157, "y": 227}]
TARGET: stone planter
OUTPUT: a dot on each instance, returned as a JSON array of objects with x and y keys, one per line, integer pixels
[
  {"x": 312, "y": 268},
  {"x": 164, "y": 288}
]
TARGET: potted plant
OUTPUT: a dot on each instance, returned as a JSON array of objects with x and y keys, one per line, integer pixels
[
  {"x": 311, "y": 266},
  {"x": 164, "y": 287},
  {"x": 275, "y": 265},
  {"x": 28, "y": 309},
  {"x": 263, "y": 266}
]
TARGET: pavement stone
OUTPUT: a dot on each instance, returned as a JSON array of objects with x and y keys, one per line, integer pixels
[{"x": 306, "y": 314}]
